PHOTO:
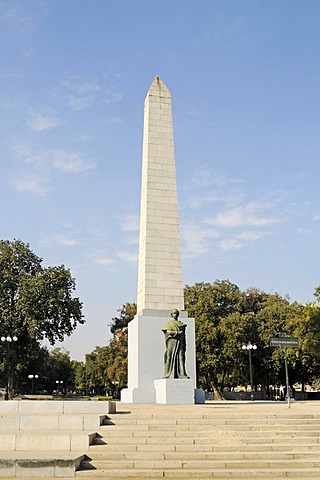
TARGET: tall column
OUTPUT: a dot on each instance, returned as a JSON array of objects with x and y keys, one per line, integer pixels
[
  {"x": 160, "y": 287},
  {"x": 160, "y": 284}
]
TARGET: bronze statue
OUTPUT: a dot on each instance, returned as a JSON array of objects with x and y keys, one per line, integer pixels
[{"x": 175, "y": 355}]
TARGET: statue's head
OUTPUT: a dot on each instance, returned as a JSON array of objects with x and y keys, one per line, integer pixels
[{"x": 175, "y": 313}]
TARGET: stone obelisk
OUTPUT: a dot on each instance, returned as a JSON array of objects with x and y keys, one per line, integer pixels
[
  {"x": 160, "y": 270},
  {"x": 160, "y": 287}
]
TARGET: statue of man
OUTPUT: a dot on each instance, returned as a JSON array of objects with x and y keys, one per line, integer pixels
[{"x": 175, "y": 354}]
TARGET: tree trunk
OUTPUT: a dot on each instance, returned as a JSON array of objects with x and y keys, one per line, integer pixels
[{"x": 216, "y": 393}]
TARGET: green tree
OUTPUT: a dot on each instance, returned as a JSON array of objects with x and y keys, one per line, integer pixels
[
  {"x": 208, "y": 304},
  {"x": 79, "y": 376},
  {"x": 238, "y": 329},
  {"x": 305, "y": 361},
  {"x": 60, "y": 374},
  {"x": 96, "y": 371},
  {"x": 117, "y": 362},
  {"x": 35, "y": 303},
  {"x": 127, "y": 313}
]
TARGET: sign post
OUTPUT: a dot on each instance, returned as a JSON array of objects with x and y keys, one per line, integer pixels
[{"x": 291, "y": 342}]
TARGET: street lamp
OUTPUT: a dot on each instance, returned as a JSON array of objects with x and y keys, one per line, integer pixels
[
  {"x": 8, "y": 339},
  {"x": 250, "y": 347},
  {"x": 59, "y": 382},
  {"x": 32, "y": 377}
]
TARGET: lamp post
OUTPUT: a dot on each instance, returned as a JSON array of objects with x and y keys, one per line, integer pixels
[
  {"x": 250, "y": 347},
  {"x": 59, "y": 382},
  {"x": 32, "y": 377},
  {"x": 8, "y": 339}
]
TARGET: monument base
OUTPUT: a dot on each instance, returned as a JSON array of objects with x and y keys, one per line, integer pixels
[
  {"x": 146, "y": 347},
  {"x": 175, "y": 391}
]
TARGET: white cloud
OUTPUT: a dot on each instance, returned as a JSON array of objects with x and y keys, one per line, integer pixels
[
  {"x": 59, "y": 239},
  {"x": 17, "y": 16},
  {"x": 70, "y": 162},
  {"x": 83, "y": 93},
  {"x": 38, "y": 121},
  {"x": 199, "y": 201},
  {"x": 251, "y": 235},
  {"x": 316, "y": 217},
  {"x": 80, "y": 103},
  {"x": 130, "y": 223},
  {"x": 112, "y": 95},
  {"x": 230, "y": 244},
  {"x": 32, "y": 183},
  {"x": 128, "y": 257},
  {"x": 64, "y": 160},
  {"x": 204, "y": 177},
  {"x": 197, "y": 240},
  {"x": 101, "y": 259},
  {"x": 241, "y": 240},
  {"x": 249, "y": 214},
  {"x": 65, "y": 240}
]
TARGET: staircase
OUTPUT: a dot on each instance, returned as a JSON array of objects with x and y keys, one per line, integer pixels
[
  {"x": 264, "y": 441},
  {"x": 45, "y": 439}
]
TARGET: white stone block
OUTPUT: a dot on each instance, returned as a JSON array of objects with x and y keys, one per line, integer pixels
[
  {"x": 9, "y": 421},
  {"x": 38, "y": 441},
  {"x": 78, "y": 406},
  {"x": 80, "y": 441},
  {"x": 9, "y": 406},
  {"x": 7, "y": 441},
  {"x": 40, "y": 406},
  {"x": 146, "y": 347},
  {"x": 70, "y": 422},
  {"x": 38, "y": 422},
  {"x": 92, "y": 422},
  {"x": 175, "y": 391}
]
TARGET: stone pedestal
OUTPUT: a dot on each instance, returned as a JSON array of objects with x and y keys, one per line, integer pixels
[
  {"x": 146, "y": 347},
  {"x": 175, "y": 391}
]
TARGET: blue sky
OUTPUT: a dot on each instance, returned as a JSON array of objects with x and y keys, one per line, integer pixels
[{"x": 244, "y": 78}]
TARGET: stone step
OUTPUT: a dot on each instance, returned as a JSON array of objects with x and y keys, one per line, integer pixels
[
  {"x": 55, "y": 464},
  {"x": 222, "y": 437},
  {"x": 196, "y": 436},
  {"x": 227, "y": 449},
  {"x": 199, "y": 455},
  {"x": 109, "y": 429},
  {"x": 215, "y": 414},
  {"x": 210, "y": 421},
  {"x": 45, "y": 441},
  {"x": 52, "y": 422},
  {"x": 57, "y": 407},
  {"x": 197, "y": 443},
  {"x": 281, "y": 439},
  {"x": 187, "y": 474},
  {"x": 203, "y": 464}
]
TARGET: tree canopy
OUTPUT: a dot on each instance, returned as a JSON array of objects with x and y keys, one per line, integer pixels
[
  {"x": 36, "y": 303},
  {"x": 226, "y": 318}
]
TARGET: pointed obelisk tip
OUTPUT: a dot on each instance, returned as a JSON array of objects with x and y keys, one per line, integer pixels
[
  {"x": 157, "y": 80},
  {"x": 158, "y": 84}
]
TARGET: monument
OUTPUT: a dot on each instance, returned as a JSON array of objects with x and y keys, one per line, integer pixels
[{"x": 152, "y": 343}]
